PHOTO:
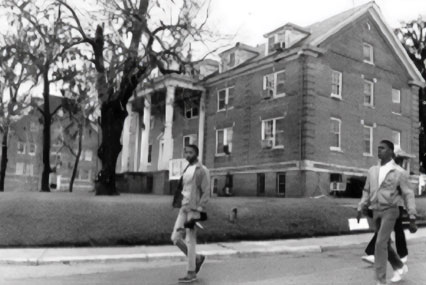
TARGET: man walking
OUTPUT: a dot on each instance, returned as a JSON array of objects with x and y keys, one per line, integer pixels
[
  {"x": 195, "y": 192},
  {"x": 381, "y": 195}
]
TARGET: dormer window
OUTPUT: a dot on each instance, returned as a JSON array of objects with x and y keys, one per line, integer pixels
[
  {"x": 231, "y": 59},
  {"x": 285, "y": 37}
]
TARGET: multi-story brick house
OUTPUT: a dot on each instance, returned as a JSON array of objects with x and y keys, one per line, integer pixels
[
  {"x": 25, "y": 148},
  {"x": 300, "y": 115}
]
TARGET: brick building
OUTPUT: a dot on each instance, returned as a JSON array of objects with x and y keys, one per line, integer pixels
[
  {"x": 300, "y": 115},
  {"x": 25, "y": 148}
]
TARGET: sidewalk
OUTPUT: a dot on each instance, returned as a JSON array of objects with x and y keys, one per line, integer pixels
[{"x": 40, "y": 256}]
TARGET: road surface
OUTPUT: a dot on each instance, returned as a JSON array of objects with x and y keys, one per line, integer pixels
[{"x": 337, "y": 266}]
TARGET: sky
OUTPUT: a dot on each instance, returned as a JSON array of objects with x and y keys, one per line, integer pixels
[{"x": 249, "y": 20}]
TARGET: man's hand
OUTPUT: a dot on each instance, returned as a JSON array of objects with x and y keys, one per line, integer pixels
[
  {"x": 359, "y": 216},
  {"x": 413, "y": 226}
]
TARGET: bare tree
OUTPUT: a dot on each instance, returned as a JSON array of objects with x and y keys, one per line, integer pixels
[
  {"x": 413, "y": 37},
  {"x": 48, "y": 44},
  {"x": 81, "y": 113},
  {"x": 126, "y": 47},
  {"x": 14, "y": 73}
]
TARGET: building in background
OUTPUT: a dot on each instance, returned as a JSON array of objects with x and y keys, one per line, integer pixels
[
  {"x": 300, "y": 115},
  {"x": 25, "y": 148}
]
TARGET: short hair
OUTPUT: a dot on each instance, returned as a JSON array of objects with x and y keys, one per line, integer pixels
[
  {"x": 195, "y": 148},
  {"x": 389, "y": 144}
]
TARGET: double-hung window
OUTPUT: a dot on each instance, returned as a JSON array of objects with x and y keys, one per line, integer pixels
[
  {"x": 274, "y": 84},
  {"x": 225, "y": 99},
  {"x": 335, "y": 134},
  {"x": 368, "y": 140},
  {"x": 368, "y": 93},
  {"x": 224, "y": 141},
  {"x": 273, "y": 133},
  {"x": 336, "y": 84}
]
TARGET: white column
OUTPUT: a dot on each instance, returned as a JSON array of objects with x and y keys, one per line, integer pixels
[
  {"x": 143, "y": 164},
  {"x": 168, "y": 127},
  {"x": 201, "y": 120},
  {"x": 137, "y": 141},
  {"x": 126, "y": 140}
]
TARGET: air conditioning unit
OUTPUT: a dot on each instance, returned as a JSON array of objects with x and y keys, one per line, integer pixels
[
  {"x": 279, "y": 46},
  {"x": 268, "y": 143},
  {"x": 267, "y": 93},
  {"x": 226, "y": 149},
  {"x": 337, "y": 186}
]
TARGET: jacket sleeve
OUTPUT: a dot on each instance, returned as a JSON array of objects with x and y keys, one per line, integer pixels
[
  {"x": 407, "y": 194},
  {"x": 203, "y": 185},
  {"x": 365, "y": 199}
]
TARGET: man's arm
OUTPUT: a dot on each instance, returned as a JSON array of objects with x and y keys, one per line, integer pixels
[
  {"x": 203, "y": 185},
  {"x": 408, "y": 195},
  {"x": 365, "y": 195}
]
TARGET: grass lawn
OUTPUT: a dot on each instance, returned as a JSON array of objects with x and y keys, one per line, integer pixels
[{"x": 82, "y": 219}]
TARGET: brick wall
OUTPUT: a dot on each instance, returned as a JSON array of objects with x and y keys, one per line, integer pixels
[
  {"x": 246, "y": 119},
  {"x": 344, "y": 54}
]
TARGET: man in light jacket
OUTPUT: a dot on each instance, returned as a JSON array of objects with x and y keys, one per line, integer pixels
[
  {"x": 196, "y": 185},
  {"x": 381, "y": 195}
]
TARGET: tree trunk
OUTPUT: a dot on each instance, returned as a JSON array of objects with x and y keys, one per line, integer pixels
[
  {"x": 3, "y": 159},
  {"x": 113, "y": 115},
  {"x": 47, "y": 120},
  {"x": 77, "y": 158}
]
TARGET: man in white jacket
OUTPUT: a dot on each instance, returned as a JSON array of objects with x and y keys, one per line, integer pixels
[
  {"x": 195, "y": 192},
  {"x": 381, "y": 195}
]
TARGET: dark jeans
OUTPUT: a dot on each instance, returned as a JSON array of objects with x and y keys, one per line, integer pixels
[{"x": 401, "y": 243}]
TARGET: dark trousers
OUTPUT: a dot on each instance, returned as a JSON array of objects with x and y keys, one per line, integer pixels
[{"x": 400, "y": 242}]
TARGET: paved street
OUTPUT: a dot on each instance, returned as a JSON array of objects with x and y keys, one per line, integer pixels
[{"x": 338, "y": 266}]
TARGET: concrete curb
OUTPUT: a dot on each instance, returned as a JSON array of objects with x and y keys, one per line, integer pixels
[
  {"x": 150, "y": 257},
  {"x": 170, "y": 253}
]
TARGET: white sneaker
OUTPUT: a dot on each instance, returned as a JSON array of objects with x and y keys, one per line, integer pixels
[
  {"x": 399, "y": 274},
  {"x": 404, "y": 259},
  {"x": 368, "y": 259}
]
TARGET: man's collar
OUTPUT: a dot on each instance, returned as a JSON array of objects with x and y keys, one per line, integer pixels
[{"x": 389, "y": 163}]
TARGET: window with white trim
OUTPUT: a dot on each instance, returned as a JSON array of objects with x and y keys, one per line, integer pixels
[
  {"x": 231, "y": 59},
  {"x": 149, "y": 153},
  {"x": 273, "y": 130},
  {"x": 29, "y": 170},
  {"x": 21, "y": 147},
  {"x": 367, "y": 51},
  {"x": 225, "y": 98},
  {"x": 152, "y": 122},
  {"x": 274, "y": 84},
  {"x": 224, "y": 141},
  {"x": 20, "y": 168},
  {"x": 187, "y": 140},
  {"x": 191, "y": 111},
  {"x": 88, "y": 155},
  {"x": 396, "y": 139},
  {"x": 33, "y": 126},
  {"x": 84, "y": 174},
  {"x": 335, "y": 134},
  {"x": 336, "y": 84},
  {"x": 368, "y": 140},
  {"x": 396, "y": 101},
  {"x": 368, "y": 93},
  {"x": 32, "y": 148}
]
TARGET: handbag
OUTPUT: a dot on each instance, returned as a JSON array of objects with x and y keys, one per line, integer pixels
[{"x": 177, "y": 196}]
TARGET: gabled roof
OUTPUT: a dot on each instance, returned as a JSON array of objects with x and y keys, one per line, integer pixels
[
  {"x": 241, "y": 46},
  {"x": 322, "y": 31},
  {"x": 288, "y": 26},
  {"x": 319, "y": 32}
]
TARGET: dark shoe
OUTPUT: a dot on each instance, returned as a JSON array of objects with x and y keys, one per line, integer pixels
[
  {"x": 199, "y": 263},
  {"x": 189, "y": 278}
]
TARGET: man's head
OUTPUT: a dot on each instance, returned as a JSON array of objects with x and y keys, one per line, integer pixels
[
  {"x": 385, "y": 150},
  {"x": 191, "y": 153}
]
